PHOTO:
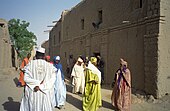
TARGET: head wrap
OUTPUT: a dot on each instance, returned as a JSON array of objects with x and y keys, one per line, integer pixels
[
  {"x": 87, "y": 58},
  {"x": 58, "y": 58},
  {"x": 80, "y": 60},
  {"x": 123, "y": 62},
  {"x": 47, "y": 57},
  {"x": 93, "y": 60},
  {"x": 41, "y": 50},
  {"x": 98, "y": 57}
]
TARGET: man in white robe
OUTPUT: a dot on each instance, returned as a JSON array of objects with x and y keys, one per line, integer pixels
[
  {"x": 78, "y": 77},
  {"x": 39, "y": 90}
]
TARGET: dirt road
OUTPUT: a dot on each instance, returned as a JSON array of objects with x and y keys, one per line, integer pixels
[{"x": 10, "y": 97}]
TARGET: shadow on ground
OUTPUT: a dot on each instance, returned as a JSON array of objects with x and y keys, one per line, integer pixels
[
  {"x": 11, "y": 105},
  {"x": 16, "y": 81},
  {"x": 107, "y": 105},
  {"x": 69, "y": 88},
  {"x": 74, "y": 101}
]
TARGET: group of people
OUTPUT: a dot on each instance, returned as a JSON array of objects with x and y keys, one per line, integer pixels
[
  {"x": 86, "y": 79},
  {"x": 44, "y": 84}
]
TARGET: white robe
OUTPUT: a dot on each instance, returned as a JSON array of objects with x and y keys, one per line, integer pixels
[
  {"x": 59, "y": 89},
  {"x": 36, "y": 72},
  {"x": 94, "y": 70},
  {"x": 78, "y": 78}
]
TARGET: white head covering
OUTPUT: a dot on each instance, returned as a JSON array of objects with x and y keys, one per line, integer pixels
[
  {"x": 123, "y": 62},
  {"x": 58, "y": 58},
  {"x": 40, "y": 49},
  {"x": 80, "y": 60},
  {"x": 95, "y": 70}
]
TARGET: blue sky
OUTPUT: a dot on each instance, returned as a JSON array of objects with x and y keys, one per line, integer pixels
[{"x": 39, "y": 13}]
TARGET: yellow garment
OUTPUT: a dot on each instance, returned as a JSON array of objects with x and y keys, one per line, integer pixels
[
  {"x": 92, "y": 94},
  {"x": 93, "y": 60}
]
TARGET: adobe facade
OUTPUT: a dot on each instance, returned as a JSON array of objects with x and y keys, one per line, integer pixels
[
  {"x": 45, "y": 45},
  {"x": 6, "y": 51},
  {"x": 55, "y": 40},
  {"x": 136, "y": 30}
]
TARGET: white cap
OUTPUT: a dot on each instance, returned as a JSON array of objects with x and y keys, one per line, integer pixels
[
  {"x": 41, "y": 50},
  {"x": 57, "y": 58},
  {"x": 80, "y": 60}
]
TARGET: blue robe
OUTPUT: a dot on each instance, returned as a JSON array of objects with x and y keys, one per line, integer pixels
[
  {"x": 59, "y": 66},
  {"x": 59, "y": 88}
]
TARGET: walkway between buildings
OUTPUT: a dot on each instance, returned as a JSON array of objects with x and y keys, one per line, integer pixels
[{"x": 10, "y": 97}]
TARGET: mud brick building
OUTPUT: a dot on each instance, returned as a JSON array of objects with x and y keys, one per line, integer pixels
[
  {"x": 136, "y": 30},
  {"x": 5, "y": 46}
]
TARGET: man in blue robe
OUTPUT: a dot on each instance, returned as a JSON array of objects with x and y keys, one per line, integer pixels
[{"x": 59, "y": 87}]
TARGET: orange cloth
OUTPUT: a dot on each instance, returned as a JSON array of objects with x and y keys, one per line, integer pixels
[
  {"x": 21, "y": 78},
  {"x": 47, "y": 57}
]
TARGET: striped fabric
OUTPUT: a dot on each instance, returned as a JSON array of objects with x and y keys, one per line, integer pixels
[{"x": 36, "y": 72}]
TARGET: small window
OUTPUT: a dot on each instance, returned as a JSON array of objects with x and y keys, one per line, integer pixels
[
  {"x": 100, "y": 12},
  {"x": 2, "y": 25},
  {"x": 141, "y": 3},
  {"x": 136, "y": 4},
  {"x": 82, "y": 24}
]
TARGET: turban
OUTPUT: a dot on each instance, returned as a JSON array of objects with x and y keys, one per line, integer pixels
[
  {"x": 58, "y": 58},
  {"x": 80, "y": 60},
  {"x": 93, "y": 60},
  {"x": 47, "y": 57},
  {"x": 41, "y": 50},
  {"x": 123, "y": 62}
]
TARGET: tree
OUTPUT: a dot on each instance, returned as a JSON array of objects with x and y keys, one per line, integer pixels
[{"x": 22, "y": 39}]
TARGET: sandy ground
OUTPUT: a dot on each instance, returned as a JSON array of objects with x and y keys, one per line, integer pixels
[{"x": 10, "y": 97}]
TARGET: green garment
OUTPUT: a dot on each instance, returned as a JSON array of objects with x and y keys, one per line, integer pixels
[{"x": 92, "y": 94}]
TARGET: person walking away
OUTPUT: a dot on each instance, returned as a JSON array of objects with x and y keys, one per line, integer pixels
[
  {"x": 77, "y": 74},
  {"x": 121, "y": 94},
  {"x": 23, "y": 64},
  {"x": 92, "y": 93},
  {"x": 60, "y": 87},
  {"x": 39, "y": 90}
]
